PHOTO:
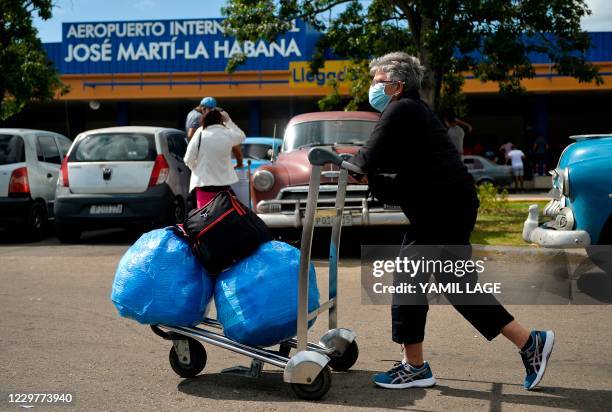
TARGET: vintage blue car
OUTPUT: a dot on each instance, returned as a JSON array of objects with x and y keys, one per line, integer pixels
[
  {"x": 581, "y": 208},
  {"x": 258, "y": 151}
]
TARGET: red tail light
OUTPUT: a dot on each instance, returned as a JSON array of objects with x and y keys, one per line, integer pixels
[
  {"x": 160, "y": 171},
  {"x": 19, "y": 185},
  {"x": 63, "y": 175}
]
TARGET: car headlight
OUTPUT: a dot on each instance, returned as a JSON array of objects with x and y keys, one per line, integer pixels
[{"x": 263, "y": 180}]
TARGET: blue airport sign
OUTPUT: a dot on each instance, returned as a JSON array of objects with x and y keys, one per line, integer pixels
[{"x": 191, "y": 45}]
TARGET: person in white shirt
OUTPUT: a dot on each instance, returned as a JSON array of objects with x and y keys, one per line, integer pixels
[
  {"x": 516, "y": 157},
  {"x": 208, "y": 155}
]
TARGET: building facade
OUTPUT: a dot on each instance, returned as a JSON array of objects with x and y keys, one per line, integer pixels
[{"x": 154, "y": 72}]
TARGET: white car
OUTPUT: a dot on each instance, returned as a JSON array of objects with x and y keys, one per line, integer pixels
[
  {"x": 121, "y": 176},
  {"x": 29, "y": 167}
]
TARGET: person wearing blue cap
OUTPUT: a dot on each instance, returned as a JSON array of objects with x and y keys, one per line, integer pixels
[
  {"x": 193, "y": 118},
  {"x": 193, "y": 121}
]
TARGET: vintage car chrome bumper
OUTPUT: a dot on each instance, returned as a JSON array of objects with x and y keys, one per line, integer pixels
[
  {"x": 363, "y": 217},
  {"x": 280, "y": 220},
  {"x": 360, "y": 209},
  {"x": 553, "y": 234}
]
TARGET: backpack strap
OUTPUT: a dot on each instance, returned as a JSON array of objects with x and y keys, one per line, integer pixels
[
  {"x": 178, "y": 228},
  {"x": 199, "y": 143}
]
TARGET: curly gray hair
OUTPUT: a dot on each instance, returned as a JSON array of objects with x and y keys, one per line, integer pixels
[{"x": 400, "y": 66}]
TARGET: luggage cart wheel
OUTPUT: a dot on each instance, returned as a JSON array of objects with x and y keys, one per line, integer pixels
[
  {"x": 187, "y": 357},
  {"x": 345, "y": 361},
  {"x": 315, "y": 390}
]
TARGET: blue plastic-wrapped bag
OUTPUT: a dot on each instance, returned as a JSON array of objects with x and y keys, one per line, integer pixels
[
  {"x": 160, "y": 281},
  {"x": 256, "y": 298}
]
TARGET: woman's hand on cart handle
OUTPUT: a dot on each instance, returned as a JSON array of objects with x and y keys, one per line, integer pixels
[
  {"x": 352, "y": 168},
  {"x": 319, "y": 157}
]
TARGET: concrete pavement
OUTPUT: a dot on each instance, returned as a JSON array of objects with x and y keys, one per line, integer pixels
[
  {"x": 529, "y": 197},
  {"x": 60, "y": 332}
]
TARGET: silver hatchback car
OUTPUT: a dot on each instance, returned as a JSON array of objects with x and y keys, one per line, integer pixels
[
  {"x": 121, "y": 176},
  {"x": 29, "y": 167}
]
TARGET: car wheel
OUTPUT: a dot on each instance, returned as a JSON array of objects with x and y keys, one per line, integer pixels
[
  {"x": 67, "y": 233},
  {"x": 605, "y": 238},
  {"x": 601, "y": 254},
  {"x": 36, "y": 222}
]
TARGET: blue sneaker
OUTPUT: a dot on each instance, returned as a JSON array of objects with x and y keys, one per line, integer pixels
[
  {"x": 536, "y": 357},
  {"x": 403, "y": 376}
]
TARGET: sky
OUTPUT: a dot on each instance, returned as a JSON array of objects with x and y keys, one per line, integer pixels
[{"x": 119, "y": 10}]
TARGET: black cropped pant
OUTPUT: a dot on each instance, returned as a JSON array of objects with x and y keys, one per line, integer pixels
[{"x": 446, "y": 223}]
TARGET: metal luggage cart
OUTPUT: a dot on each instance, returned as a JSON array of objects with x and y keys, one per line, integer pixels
[{"x": 308, "y": 370}]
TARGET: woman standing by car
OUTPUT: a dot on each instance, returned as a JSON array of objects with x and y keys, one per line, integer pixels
[{"x": 208, "y": 155}]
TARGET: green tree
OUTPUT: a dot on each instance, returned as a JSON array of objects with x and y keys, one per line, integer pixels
[
  {"x": 26, "y": 73},
  {"x": 490, "y": 38}
]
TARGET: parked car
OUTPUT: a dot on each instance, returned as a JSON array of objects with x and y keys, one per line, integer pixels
[
  {"x": 119, "y": 176},
  {"x": 279, "y": 190},
  {"x": 260, "y": 151},
  {"x": 581, "y": 208},
  {"x": 29, "y": 166},
  {"x": 484, "y": 171}
]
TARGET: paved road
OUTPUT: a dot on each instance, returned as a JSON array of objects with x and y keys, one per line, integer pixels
[{"x": 60, "y": 332}]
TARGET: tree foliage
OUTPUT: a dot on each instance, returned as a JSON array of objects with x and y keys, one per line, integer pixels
[
  {"x": 26, "y": 73},
  {"x": 492, "y": 39}
]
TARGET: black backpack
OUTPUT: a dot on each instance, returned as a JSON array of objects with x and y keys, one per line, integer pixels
[{"x": 224, "y": 231}]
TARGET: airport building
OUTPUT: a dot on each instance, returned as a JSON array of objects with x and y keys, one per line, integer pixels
[{"x": 154, "y": 72}]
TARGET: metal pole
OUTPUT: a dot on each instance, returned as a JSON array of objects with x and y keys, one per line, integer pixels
[
  {"x": 249, "y": 181},
  {"x": 306, "y": 245},
  {"x": 334, "y": 248}
]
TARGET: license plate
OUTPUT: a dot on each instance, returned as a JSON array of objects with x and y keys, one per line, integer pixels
[
  {"x": 347, "y": 220},
  {"x": 106, "y": 209},
  {"x": 391, "y": 207}
]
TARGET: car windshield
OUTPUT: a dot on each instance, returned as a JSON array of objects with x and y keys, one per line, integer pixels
[
  {"x": 327, "y": 132},
  {"x": 106, "y": 147},
  {"x": 11, "y": 149},
  {"x": 256, "y": 151}
]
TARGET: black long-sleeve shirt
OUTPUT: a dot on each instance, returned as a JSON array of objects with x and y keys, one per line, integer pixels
[{"x": 411, "y": 141}]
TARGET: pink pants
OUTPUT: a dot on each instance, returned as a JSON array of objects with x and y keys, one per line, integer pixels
[{"x": 205, "y": 196}]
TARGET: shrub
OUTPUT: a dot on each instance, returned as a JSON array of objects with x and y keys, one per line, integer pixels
[{"x": 492, "y": 200}]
